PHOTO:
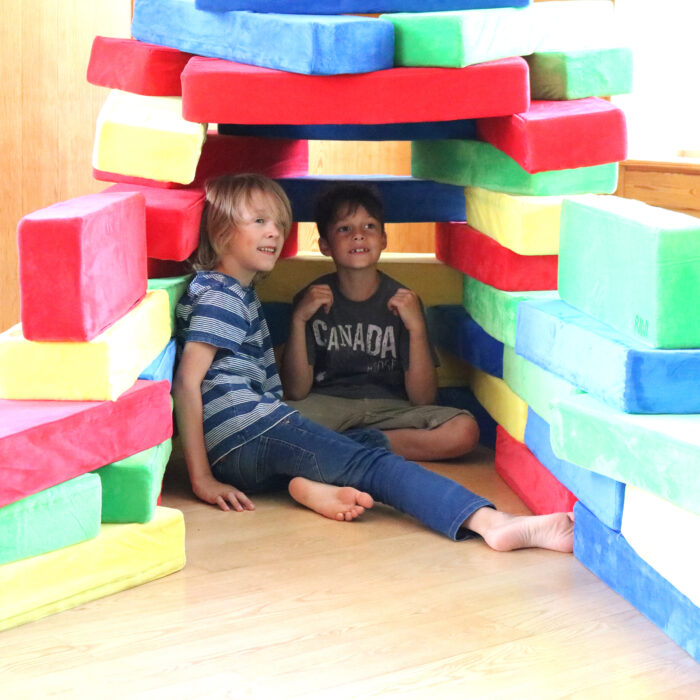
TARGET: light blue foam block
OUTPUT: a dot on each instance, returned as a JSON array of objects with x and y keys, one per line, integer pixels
[
  {"x": 332, "y": 7},
  {"x": 163, "y": 366},
  {"x": 622, "y": 371},
  {"x": 609, "y": 556},
  {"x": 603, "y": 496},
  {"x": 311, "y": 44}
]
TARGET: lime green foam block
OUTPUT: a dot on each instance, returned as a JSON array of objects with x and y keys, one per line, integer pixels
[
  {"x": 131, "y": 486},
  {"x": 536, "y": 386},
  {"x": 52, "y": 519},
  {"x": 571, "y": 75},
  {"x": 479, "y": 164},
  {"x": 494, "y": 310},
  {"x": 656, "y": 453},
  {"x": 634, "y": 267},
  {"x": 175, "y": 287}
]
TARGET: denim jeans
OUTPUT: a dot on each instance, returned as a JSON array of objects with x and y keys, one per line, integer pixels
[{"x": 298, "y": 447}]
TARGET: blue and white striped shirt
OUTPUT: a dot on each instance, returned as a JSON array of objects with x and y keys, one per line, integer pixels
[{"x": 241, "y": 391}]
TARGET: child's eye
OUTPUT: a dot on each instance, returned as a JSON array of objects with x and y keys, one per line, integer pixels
[
  {"x": 343, "y": 229},
  {"x": 259, "y": 220},
  {"x": 370, "y": 226}
]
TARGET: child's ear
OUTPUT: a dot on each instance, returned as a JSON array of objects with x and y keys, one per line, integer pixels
[
  {"x": 385, "y": 242},
  {"x": 323, "y": 246}
]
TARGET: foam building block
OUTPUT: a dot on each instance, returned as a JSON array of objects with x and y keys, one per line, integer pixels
[
  {"x": 659, "y": 251},
  {"x": 405, "y": 199},
  {"x": 159, "y": 269},
  {"x": 479, "y": 164},
  {"x": 131, "y": 486},
  {"x": 662, "y": 535},
  {"x": 163, "y": 366},
  {"x": 173, "y": 218},
  {"x": 496, "y": 310},
  {"x": 313, "y": 45},
  {"x": 609, "y": 556},
  {"x": 462, "y": 397},
  {"x": 58, "y": 517},
  {"x": 502, "y": 404},
  {"x": 450, "y": 327},
  {"x": 536, "y": 487},
  {"x": 134, "y": 66},
  {"x": 555, "y": 135},
  {"x": 98, "y": 370},
  {"x": 331, "y": 7},
  {"x": 175, "y": 287},
  {"x": 43, "y": 443},
  {"x": 603, "y": 496},
  {"x": 211, "y": 91},
  {"x": 619, "y": 370},
  {"x": 525, "y": 225},
  {"x": 572, "y": 75},
  {"x": 658, "y": 453},
  {"x": 147, "y": 137},
  {"x": 120, "y": 557},
  {"x": 99, "y": 243},
  {"x": 481, "y": 257},
  {"x": 451, "y": 370}
]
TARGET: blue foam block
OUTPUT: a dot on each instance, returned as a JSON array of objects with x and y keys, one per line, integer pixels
[
  {"x": 453, "y": 329},
  {"x": 621, "y": 371},
  {"x": 462, "y": 397},
  {"x": 163, "y": 366},
  {"x": 278, "y": 315},
  {"x": 332, "y": 7},
  {"x": 608, "y": 555},
  {"x": 602, "y": 495},
  {"x": 457, "y": 129},
  {"x": 312, "y": 45},
  {"x": 406, "y": 199}
]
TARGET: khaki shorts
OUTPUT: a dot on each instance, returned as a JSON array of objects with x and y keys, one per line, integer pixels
[{"x": 342, "y": 414}]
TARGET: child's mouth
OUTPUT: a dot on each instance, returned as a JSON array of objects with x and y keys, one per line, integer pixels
[
  {"x": 359, "y": 250},
  {"x": 268, "y": 251}
]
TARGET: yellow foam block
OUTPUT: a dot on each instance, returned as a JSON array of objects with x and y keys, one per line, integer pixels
[
  {"x": 665, "y": 536},
  {"x": 120, "y": 557},
  {"x": 433, "y": 281},
  {"x": 500, "y": 401},
  {"x": 452, "y": 371},
  {"x": 526, "y": 225},
  {"x": 147, "y": 137},
  {"x": 99, "y": 370}
]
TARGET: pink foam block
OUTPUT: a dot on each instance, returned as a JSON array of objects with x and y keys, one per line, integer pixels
[
  {"x": 464, "y": 248},
  {"x": 530, "y": 480},
  {"x": 212, "y": 91},
  {"x": 82, "y": 265},
  {"x": 223, "y": 154},
  {"x": 134, "y": 66},
  {"x": 44, "y": 443},
  {"x": 560, "y": 135}
]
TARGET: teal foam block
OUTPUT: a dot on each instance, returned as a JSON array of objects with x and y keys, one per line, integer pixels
[
  {"x": 572, "y": 75},
  {"x": 479, "y": 164},
  {"x": 657, "y": 453},
  {"x": 462, "y": 397},
  {"x": 58, "y": 517},
  {"x": 619, "y": 370},
  {"x": 312, "y": 45},
  {"x": 131, "y": 486},
  {"x": 163, "y": 366},
  {"x": 609, "y": 556},
  {"x": 603, "y": 496},
  {"x": 634, "y": 267}
]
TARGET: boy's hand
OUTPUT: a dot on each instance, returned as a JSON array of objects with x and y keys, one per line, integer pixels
[
  {"x": 406, "y": 305},
  {"x": 316, "y": 296},
  {"x": 212, "y": 491}
]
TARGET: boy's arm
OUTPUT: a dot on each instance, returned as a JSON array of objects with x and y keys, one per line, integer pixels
[{"x": 187, "y": 393}]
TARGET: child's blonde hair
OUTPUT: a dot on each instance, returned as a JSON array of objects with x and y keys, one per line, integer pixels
[{"x": 225, "y": 196}]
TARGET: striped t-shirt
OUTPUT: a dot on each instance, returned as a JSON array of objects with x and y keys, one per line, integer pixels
[{"x": 241, "y": 391}]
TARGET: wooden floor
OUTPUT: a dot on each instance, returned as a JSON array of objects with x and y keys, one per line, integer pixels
[{"x": 282, "y": 603}]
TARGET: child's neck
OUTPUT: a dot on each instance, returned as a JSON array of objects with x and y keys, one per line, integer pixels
[{"x": 358, "y": 285}]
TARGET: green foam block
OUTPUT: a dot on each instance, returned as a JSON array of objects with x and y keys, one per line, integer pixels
[
  {"x": 52, "y": 519},
  {"x": 494, "y": 310},
  {"x": 131, "y": 486},
  {"x": 175, "y": 287},
  {"x": 657, "y": 453},
  {"x": 534, "y": 385},
  {"x": 571, "y": 75},
  {"x": 479, "y": 164},
  {"x": 634, "y": 267}
]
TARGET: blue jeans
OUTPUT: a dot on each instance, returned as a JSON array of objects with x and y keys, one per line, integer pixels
[{"x": 298, "y": 447}]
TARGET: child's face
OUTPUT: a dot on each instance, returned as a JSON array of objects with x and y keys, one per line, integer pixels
[
  {"x": 354, "y": 240},
  {"x": 255, "y": 243}
]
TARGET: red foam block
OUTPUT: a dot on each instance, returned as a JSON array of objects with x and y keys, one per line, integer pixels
[
  {"x": 222, "y": 154},
  {"x": 134, "y": 66},
  {"x": 560, "y": 135},
  {"x": 217, "y": 91},
  {"x": 44, "y": 443},
  {"x": 464, "y": 248},
  {"x": 82, "y": 265},
  {"x": 531, "y": 481}
]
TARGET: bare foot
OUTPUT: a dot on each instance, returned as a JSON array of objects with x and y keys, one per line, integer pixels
[
  {"x": 334, "y": 502},
  {"x": 505, "y": 532}
]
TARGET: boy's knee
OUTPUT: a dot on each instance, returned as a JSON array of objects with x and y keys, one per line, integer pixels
[{"x": 468, "y": 430}]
